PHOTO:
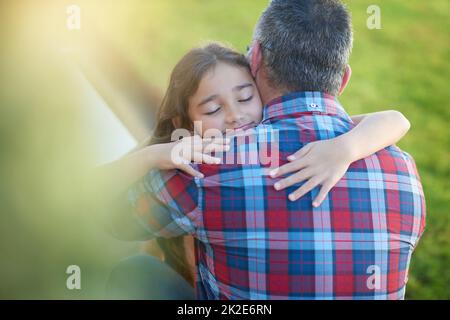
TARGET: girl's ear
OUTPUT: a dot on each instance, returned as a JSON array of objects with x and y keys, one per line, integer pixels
[{"x": 176, "y": 122}]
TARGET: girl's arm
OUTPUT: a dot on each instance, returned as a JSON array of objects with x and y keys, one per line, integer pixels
[
  {"x": 375, "y": 131},
  {"x": 114, "y": 179},
  {"x": 119, "y": 175},
  {"x": 325, "y": 162}
]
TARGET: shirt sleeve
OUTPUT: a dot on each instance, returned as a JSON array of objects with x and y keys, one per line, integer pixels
[{"x": 163, "y": 203}]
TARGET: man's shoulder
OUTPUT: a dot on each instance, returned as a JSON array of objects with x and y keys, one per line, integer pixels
[
  {"x": 390, "y": 163},
  {"x": 173, "y": 188}
]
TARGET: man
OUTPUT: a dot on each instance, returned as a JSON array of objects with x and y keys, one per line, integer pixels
[{"x": 252, "y": 242}]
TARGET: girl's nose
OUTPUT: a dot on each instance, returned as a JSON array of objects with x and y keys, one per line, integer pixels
[{"x": 233, "y": 115}]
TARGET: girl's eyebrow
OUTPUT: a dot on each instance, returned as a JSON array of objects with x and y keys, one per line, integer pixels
[
  {"x": 208, "y": 99},
  {"x": 242, "y": 86},
  {"x": 214, "y": 96}
]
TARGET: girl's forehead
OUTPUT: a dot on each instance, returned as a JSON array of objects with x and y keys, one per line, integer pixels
[
  {"x": 224, "y": 68},
  {"x": 225, "y": 75},
  {"x": 221, "y": 80}
]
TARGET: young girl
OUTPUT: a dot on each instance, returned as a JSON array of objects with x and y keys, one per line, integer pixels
[{"x": 214, "y": 85}]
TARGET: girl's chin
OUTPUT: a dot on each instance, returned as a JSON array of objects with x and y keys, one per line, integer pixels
[{"x": 242, "y": 130}]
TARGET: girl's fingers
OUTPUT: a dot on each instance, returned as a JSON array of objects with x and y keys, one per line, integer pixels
[
  {"x": 199, "y": 140},
  {"x": 300, "y": 192},
  {"x": 205, "y": 158},
  {"x": 213, "y": 147},
  {"x": 199, "y": 144},
  {"x": 215, "y": 144},
  {"x": 300, "y": 153},
  {"x": 189, "y": 170},
  {"x": 288, "y": 167},
  {"x": 216, "y": 140},
  {"x": 292, "y": 179},
  {"x": 177, "y": 156},
  {"x": 326, "y": 187}
]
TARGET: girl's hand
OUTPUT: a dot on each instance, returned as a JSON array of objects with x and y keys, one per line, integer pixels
[
  {"x": 179, "y": 154},
  {"x": 321, "y": 162}
]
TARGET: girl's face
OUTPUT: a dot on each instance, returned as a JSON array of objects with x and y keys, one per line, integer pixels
[{"x": 226, "y": 99}]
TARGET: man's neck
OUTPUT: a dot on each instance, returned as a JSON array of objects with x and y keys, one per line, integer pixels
[
  {"x": 267, "y": 93},
  {"x": 266, "y": 98}
]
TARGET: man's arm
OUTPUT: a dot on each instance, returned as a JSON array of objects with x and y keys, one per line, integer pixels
[{"x": 155, "y": 206}]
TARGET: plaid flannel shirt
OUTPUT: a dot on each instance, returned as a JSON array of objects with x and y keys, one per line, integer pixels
[{"x": 251, "y": 242}]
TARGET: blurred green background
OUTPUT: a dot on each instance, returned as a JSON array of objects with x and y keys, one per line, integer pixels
[{"x": 48, "y": 218}]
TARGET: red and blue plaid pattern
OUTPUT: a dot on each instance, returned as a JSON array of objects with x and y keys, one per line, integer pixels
[{"x": 254, "y": 243}]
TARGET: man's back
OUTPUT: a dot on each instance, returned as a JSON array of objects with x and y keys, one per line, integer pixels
[{"x": 254, "y": 243}]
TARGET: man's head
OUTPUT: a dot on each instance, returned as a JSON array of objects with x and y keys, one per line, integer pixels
[{"x": 302, "y": 45}]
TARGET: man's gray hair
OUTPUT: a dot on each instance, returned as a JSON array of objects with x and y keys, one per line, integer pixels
[{"x": 306, "y": 44}]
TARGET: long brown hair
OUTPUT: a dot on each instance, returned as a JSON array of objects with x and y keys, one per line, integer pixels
[{"x": 183, "y": 83}]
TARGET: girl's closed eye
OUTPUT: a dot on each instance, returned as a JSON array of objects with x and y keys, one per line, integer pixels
[
  {"x": 212, "y": 112},
  {"x": 245, "y": 94},
  {"x": 246, "y": 99}
]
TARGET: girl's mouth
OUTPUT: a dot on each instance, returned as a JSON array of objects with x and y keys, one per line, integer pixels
[{"x": 245, "y": 126}]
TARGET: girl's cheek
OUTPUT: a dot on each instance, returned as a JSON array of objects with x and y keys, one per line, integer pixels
[
  {"x": 258, "y": 113},
  {"x": 209, "y": 124}
]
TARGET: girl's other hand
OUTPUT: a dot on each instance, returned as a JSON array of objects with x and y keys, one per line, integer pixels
[
  {"x": 179, "y": 154},
  {"x": 321, "y": 162}
]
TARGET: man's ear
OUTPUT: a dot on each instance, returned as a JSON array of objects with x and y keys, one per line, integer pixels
[
  {"x": 255, "y": 58},
  {"x": 345, "y": 78}
]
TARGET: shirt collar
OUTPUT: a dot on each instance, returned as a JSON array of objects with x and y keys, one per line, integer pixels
[{"x": 303, "y": 102}]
